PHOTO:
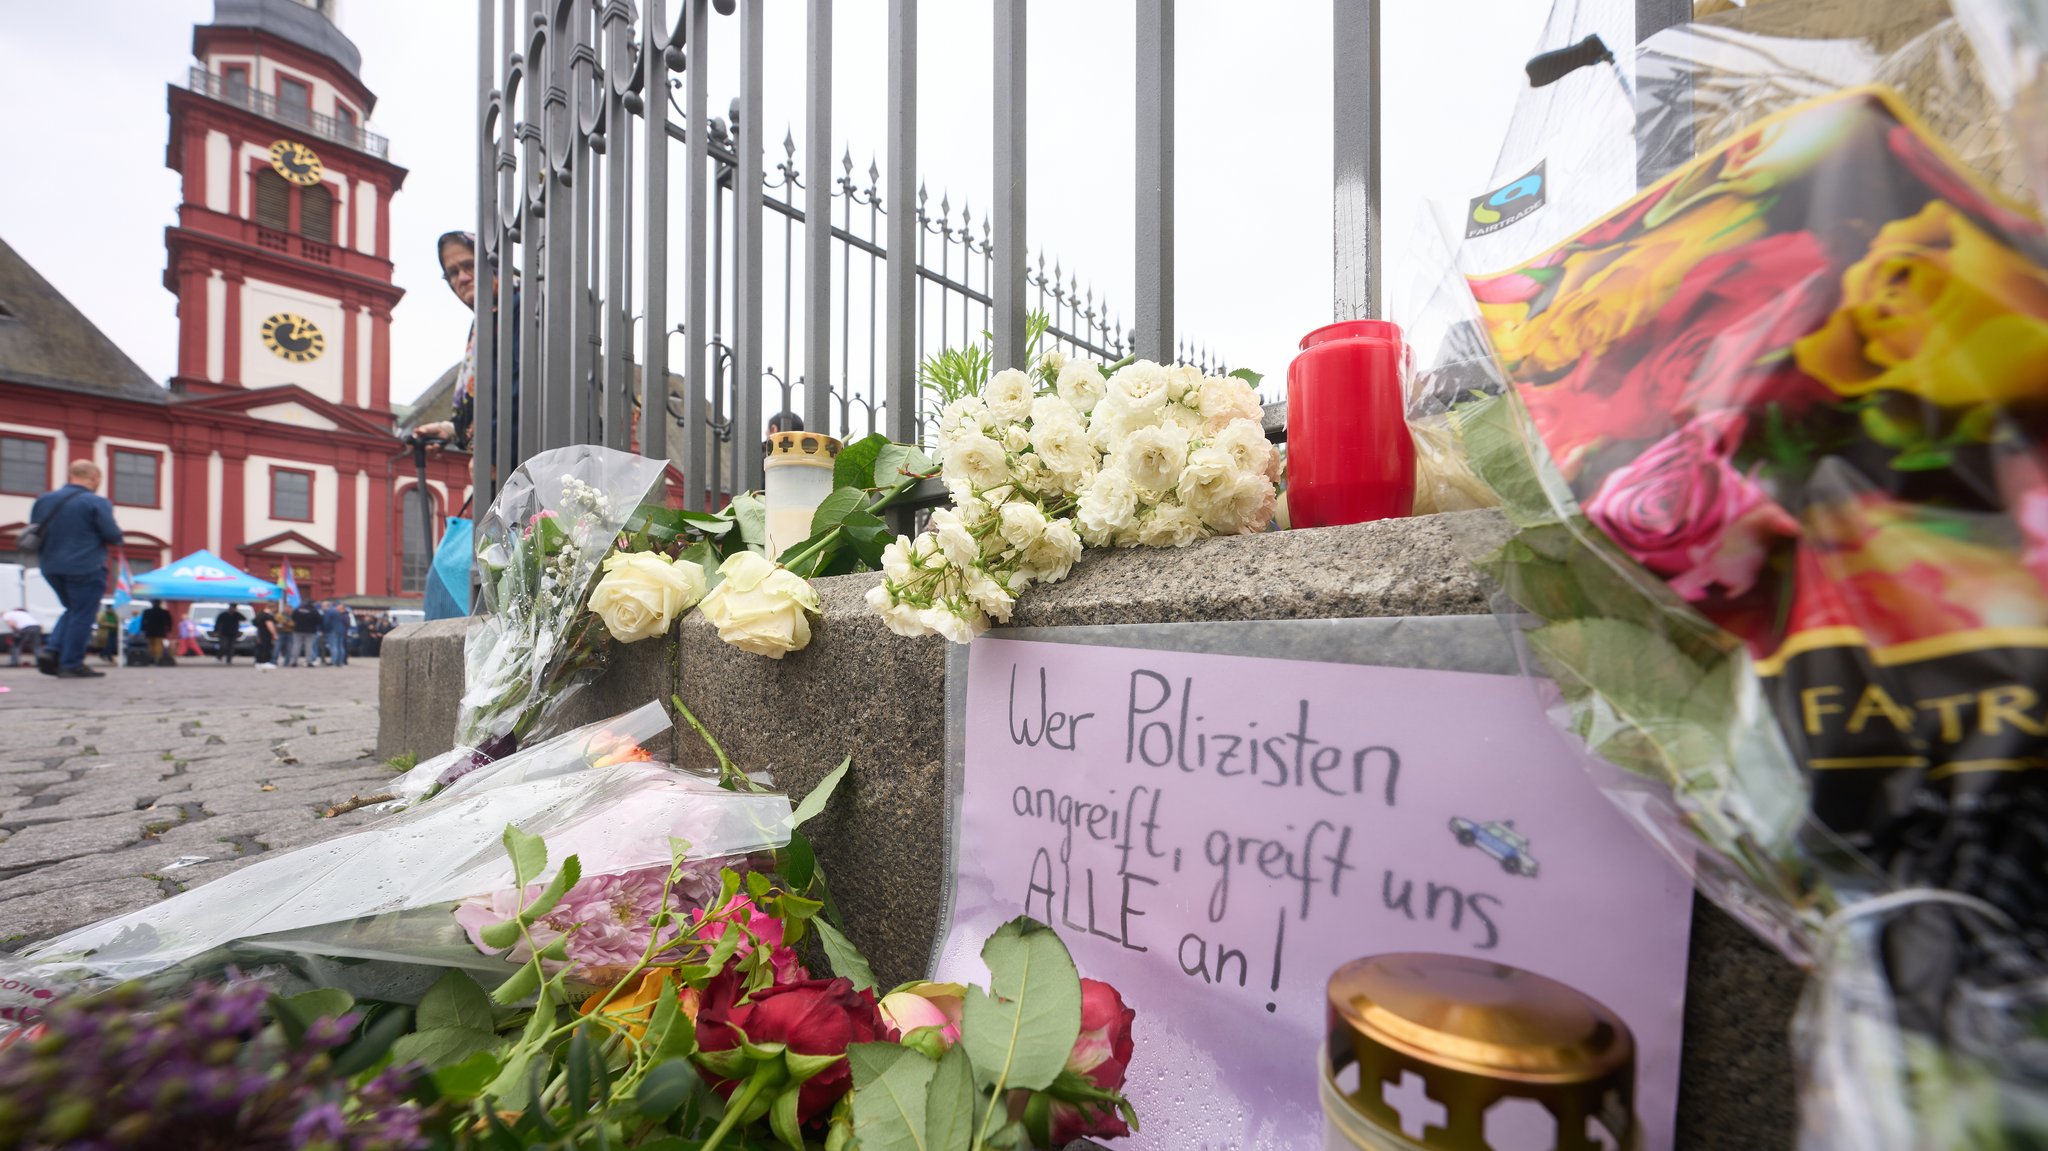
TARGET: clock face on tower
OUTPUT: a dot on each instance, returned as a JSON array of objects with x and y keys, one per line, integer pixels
[
  {"x": 295, "y": 162},
  {"x": 293, "y": 337}
]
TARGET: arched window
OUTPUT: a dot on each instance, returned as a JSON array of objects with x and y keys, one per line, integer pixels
[
  {"x": 415, "y": 508},
  {"x": 316, "y": 214},
  {"x": 273, "y": 200}
]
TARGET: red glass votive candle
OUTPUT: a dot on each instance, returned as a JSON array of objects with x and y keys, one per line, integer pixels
[{"x": 1349, "y": 456}]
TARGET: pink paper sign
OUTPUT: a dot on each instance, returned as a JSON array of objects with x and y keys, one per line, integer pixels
[{"x": 1214, "y": 835}]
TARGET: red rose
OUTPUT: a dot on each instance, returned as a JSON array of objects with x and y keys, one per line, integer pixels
[
  {"x": 1684, "y": 512},
  {"x": 810, "y": 1017},
  {"x": 1102, "y": 1054},
  {"x": 1619, "y": 225},
  {"x": 1720, "y": 340}
]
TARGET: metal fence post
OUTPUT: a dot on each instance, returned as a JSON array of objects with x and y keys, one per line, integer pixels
[
  {"x": 533, "y": 184},
  {"x": 1007, "y": 290},
  {"x": 1355, "y": 199},
  {"x": 1154, "y": 215},
  {"x": 656, "y": 43},
  {"x": 749, "y": 139},
  {"x": 818, "y": 220},
  {"x": 697, "y": 475},
  {"x": 484, "y": 421},
  {"x": 618, "y": 75},
  {"x": 899, "y": 291}
]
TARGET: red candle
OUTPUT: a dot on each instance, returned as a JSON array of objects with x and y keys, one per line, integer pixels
[{"x": 1349, "y": 458}]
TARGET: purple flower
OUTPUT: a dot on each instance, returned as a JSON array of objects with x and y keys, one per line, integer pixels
[
  {"x": 319, "y": 1125},
  {"x": 608, "y": 919}
]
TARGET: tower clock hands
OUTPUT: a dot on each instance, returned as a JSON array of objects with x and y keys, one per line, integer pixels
[{"x": 291, "y": 338}]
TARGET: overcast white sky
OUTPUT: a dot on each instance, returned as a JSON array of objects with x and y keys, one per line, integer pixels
[{"x": 82, "y": 117}]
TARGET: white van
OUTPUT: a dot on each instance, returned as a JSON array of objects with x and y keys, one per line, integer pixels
[{"x": 25, "y": 587}]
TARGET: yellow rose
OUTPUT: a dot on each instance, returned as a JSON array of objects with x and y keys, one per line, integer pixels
[
  {"x": 642, "y": 593},
  {"x": 760, "y": 607},
  {"x": 1939, "y": 309},
  {"x": 1606, "y": 293}
]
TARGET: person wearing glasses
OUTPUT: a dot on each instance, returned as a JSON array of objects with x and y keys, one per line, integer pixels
[{"x": 457, "y": 252}]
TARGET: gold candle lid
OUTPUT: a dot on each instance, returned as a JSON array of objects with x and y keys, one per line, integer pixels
[
  {"x": 803, "y": 448},
  {"x": 1477, "y": 1032}
]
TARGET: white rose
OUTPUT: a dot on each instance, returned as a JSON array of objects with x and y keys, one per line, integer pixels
[
  {"x": 974, "y": 461},
  {"x": 1022, "y": 524},
  {"x": 1108, "y": 502},
  {"x": 1053, "y": 409},
  {"x": 954, "y": 540},
  {"x": 1142, "y": 385},
  {"x": 1153, "y": 457},
  {"x": 1064, "y": 449},
  {"x": 1054, "y": 361},
  {"x": 990, "y": 596},
  {"x": 761, "y": 606},
  {"x": 1248, "y": 447},
  {"x": 901, "y": 618},
  {"x": 1008, "y": 395},
  {"x": 943, "y": 621},
  {"x": 1227, "y": 398},
  {"x": 1208, "y": 487},
  {"x": 897, "y": 565},
  {"x": 963, "y": 417},
  {"x": 1170, "y": 526},
  {"x": 1016, "y": 438},
  {"x": 1113, "y": 419},
  {"x": 1182, "y": 379},
  {"x": 1081, "y": 384},
  {"x": 642, "y": 594},
  {"x": 1053, "y": 553},
  {"x": 1183, "y": 417},
  {"x": 1255, "y": 499}
]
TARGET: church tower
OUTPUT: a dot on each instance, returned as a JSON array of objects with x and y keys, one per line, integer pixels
[{"x": 280, "y": 258}]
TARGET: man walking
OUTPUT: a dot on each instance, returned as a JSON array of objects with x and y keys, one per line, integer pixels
[
  {"x": 27, "y": 634},
  {"x": 227, "y": 630},
  {"x": 156, "y": 628},
  {"x": 334, "y": 627},
  {"x": 78, "y": 527},
  {"x": 306, "y": 634},
  {"x": 266, "y": 636}
]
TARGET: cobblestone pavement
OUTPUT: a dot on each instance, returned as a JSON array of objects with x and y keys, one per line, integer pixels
[{"x": 118, "y": 792}]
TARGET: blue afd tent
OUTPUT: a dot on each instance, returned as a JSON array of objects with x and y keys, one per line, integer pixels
[{"x": 203, "y": 576}]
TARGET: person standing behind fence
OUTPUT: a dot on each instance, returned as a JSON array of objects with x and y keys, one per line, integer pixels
[
  {"x": 306, "y": 634},
  {"x": 457, "y": 253},
  {"x": 78, "y": 528},
  {"x": 156, "y": 628}
]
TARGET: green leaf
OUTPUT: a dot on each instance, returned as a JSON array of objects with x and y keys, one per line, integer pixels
[
  {"x": 949, "y": 1104},
  {"x": 670, "y": 1033},
  {"x": 836, "y": 507},
  {"x": 666, "y": 1087},
  {"x": 576, "y": 1072},
  {"x": 529, "y": 852},
  {"x": 466, "y": 1080},
  {"x": 889, "y": 1095},
  {"x": 855, "y": 467},
  {"x": 1248, "y": 376},
  {"x": 900, "y": 462},
  {"x": 799, "y": 862},
  {"x": 377, "y": 1037},
  {"x": 752, "y": 516},
  {"x": 848, "y": 963},
  {"x": 1019, "y": 1036},
  {"x": 758, "y": 885},
  {"x": 296, "y": 1013},
  {"x": 814, "y": 802},
  {"x": 782, "y": 1119},
  {"x": 442, "y": 1046},
  {"x": 572, "y": 871},
  {"x": 455, "y": 1000},
  {"x": 499, "y": 936},
  {"x": 524, "y": 981}
]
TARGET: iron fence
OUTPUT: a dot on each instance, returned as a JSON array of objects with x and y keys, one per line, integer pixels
[
  {"x": 244, "y": 95},
  {"x": 581, "y": 103}
]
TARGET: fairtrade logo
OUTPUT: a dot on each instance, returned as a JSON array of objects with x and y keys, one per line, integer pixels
[{"x": 1505, "y": 205}]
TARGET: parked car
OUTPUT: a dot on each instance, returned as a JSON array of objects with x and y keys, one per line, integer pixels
[
  {"x": 1500, "y": 840},
  {"x": 204, "y": 614},
  {"x": 25, "y": 587}
]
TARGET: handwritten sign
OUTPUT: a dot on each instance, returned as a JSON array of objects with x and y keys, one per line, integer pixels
[{"x": 1216, "y": 834}]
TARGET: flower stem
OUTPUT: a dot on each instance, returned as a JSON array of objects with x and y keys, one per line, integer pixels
[{"x": 734, "y": 1110}]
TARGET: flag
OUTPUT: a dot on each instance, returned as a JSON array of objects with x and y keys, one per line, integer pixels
[
  {"x": 291, "y": 588},
  {"x": 124, "y": 585}
]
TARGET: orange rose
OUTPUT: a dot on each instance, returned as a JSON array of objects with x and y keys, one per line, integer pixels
[
  {"x": 1606, "y": 293},
  {"x": 633, "y": 1007},
  {"x": 1939, "y": 309}
]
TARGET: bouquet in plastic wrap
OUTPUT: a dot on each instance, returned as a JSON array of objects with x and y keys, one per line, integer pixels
[
  {"x": 540, "y": 551},
  {"x": 1772, "y": 448}
]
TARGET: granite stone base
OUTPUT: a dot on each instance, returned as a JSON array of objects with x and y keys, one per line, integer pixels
[{"x": 860, "y": 691}]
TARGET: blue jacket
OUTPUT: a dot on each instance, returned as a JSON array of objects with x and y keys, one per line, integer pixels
[{"x": 75, "y": 542}]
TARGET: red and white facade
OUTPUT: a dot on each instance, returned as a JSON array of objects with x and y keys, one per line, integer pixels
[{"x": 275, "y": 442}]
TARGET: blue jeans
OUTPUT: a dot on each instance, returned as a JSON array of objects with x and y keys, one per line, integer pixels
[
  {"x": 80, "y": 595},
  {"x": 337, "y": 649},
  {"x": 287, "y": 650}
]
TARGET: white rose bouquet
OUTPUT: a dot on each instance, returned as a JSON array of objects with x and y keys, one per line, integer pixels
[{"x": 1044, "y": 462}]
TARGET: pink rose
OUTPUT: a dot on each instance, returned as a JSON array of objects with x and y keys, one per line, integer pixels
[
  {"x": 1684, "y": 512},
  {"x": 763, "y": 927},
  {"x": 1101, "y": 1055},
  {"x": 939, "y": 1005}
]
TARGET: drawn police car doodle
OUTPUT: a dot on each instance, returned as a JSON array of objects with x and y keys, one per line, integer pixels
[{"x": 1498, "y": 839}]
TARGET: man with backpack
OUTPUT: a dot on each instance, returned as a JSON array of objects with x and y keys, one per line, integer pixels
[{"x": 69, "y": 531}]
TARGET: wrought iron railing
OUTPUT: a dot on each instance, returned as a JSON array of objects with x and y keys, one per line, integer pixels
[{"x": 243, "y": 95}]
